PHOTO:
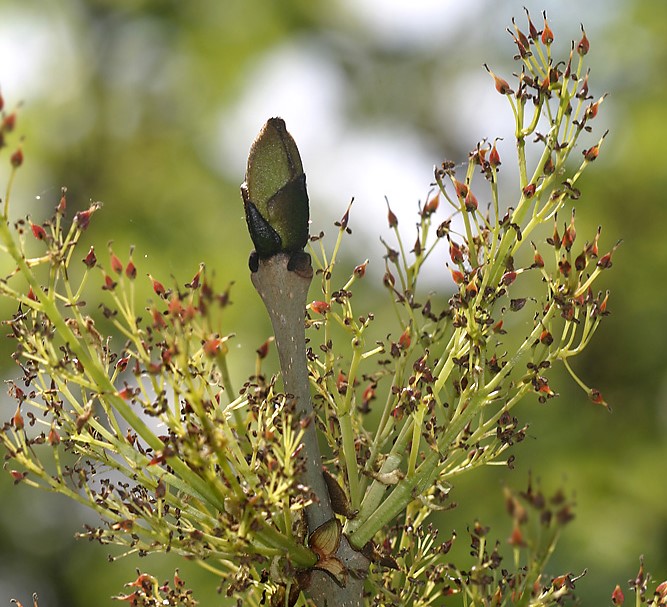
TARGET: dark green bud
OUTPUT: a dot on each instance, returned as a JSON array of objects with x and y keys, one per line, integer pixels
[{"x": 274, "y": 192}]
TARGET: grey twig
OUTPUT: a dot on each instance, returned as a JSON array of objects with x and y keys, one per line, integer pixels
[{"x": 283, "y": 287}]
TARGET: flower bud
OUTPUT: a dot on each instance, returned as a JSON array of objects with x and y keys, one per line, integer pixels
[
  {"x": 502, "y": 86},
  {"x": 16, "y": 158},
  {"x": 90, "y": 260},
  {"x": 591, "y": 153},
  {"x": 274, "y": 192},
  {"x": 455, "y": 252},
  {"x": 584, "y": 45},
  {"x": 547, "y": 34},
  {"x": 392, "y": 220},
  {"x": 470, "y": 202},
  {"x": 320, "y": 307},
  {"x": 38, "y": 231},
  {"x": 431, "y": 206},
  {"x": 494, "y": 156}
]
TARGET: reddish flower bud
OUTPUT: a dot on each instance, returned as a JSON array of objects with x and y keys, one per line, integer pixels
[
  {"x": 605, "y": 261},
  {"x": 130, "y": 270},
  {"x": 470, "y": 202},
  {"x": 546, "y": 338},
  {"x": 508, "y": 278},
  {"x": 547, "y": 34},
  {"x": 498, "y": 328},
  {"x": 568, "y": 67},
  {"x": 2, "y": 102},
  {"x": 455, "y": 252},
  {"x": 31, "y": 295},
  {"x": 121, "y": 365},
  {"x": 116, "y": 264},
  {"x": 432, "y": 205},
  {"x": 82, "y": 218},
  {"x": 62, "y": 205},
  {"x": 17, "y": 476},
  {"x": 53, "y": 437},
  {"x": 529, "y": 190},
  {"x": 263, "y": 350},
  {"x": 565, "y": 267},
  {"x": 389, "y": 280},
  {"x": 494, "y": 156},
  {"x": 591, "y": 153},
  {"x": 592, "y": 110},
  {"x": 158, "y": 319},
  {"x": 603, "y": 304},
  {"x": 532, "y": 30},
  {"x": 194, "y": 283},
  {"x": 16, "y": 158},
  {"x": 158, "y": 287},
  {"x": 82, "y": 419},
  {"x": 555, "y": 240},
  {"x": 521, "y": 41},
  {"x": 213, "y": 346},
  {"x": 461, "y": 188},
  {"x": 90, "y": 260},
  {"x": 569, "y": 235},
  {"x": 417, "y": 248},
  {"x": 580, "y": 262},
  {"x": 617, "y": 597},
  {"x": 17, "y": 420},
  {"x": 549, "y": 166},
  {"x": 538, "y": 262},
  {"x": 8, "y": 123},
  {"x": 125, "y": 393},
  {"x": 596, "y": 398},
  {"x": 457, "y": 276},
  {"x": 109, "y": 284},
  {"x": 502, "y": 86},
  {"x": 320, "y": 307},
  {"x": 38, "y": 231},
  {"x": 520, "y": 35},
  {"x": 404, "y": 340},
  {"x": 360, "y": 270},
  {"x": 516, "y": 539},
  {"x": 478, "y": 156},
  {"x": 341, "y": 383},
  {"x": 391, "y": 218},
  {"x": 584, "y": 45},
  {"x": 175, "y": 307},
  {"x": 592, "y": 248},
  {"x": 367, "y": 396},
  {"x": 541, "y": 385}
]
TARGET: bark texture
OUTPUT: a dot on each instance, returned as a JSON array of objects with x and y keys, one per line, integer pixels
[{"x": 282, "y": 282}]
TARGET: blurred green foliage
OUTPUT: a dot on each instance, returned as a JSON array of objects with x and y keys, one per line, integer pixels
[{"x": 128, "y": 103}]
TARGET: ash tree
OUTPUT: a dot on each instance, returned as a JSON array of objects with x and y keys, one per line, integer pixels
[{"x": 285, "y": 487}]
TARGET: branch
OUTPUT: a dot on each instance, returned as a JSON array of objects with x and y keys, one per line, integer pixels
[
  {"x": 284, "y": 294},
  {"x": 283, "y": 291}
]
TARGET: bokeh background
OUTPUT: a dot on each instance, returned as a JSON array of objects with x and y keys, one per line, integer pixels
[{"x": 150, "y": 106}]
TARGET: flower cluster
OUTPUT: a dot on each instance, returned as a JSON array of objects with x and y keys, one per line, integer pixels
[
  {"x": 450, "y": 375},
  {"x": 423, "y": 571},
  {"x": 130, "y": 410}
]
